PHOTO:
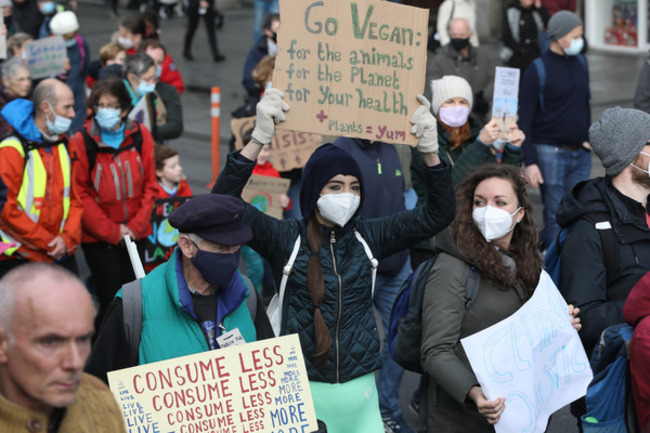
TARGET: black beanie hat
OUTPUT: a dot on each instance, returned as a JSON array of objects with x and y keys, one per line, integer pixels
[{"x": 326, "y": 162}]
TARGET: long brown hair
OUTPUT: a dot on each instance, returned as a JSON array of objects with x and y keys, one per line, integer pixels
[
  {"x": 316, "y": 286},
  {"x": 472, "y": 244},
  {"x": 457, "y": 136}
]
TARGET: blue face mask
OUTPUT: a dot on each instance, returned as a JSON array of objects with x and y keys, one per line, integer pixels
[
  {"x": 47, "y": 7},
  {"x": 59, "y": 125},
  {"x": 575, "y": 47},
  {"x": 158, "y": 72},
  {"x": 145, "y": 88},
  {"x": 70, "y": 42},
  {"x": 216, "y": 268},
  {"x": 108, "y": 118}
]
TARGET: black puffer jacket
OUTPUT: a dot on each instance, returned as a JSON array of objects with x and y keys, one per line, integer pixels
[
  {"x": 583, "y": 276},
  {"x": 347, "y": 305}
]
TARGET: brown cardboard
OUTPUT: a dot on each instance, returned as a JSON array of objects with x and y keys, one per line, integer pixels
[
  {"x": 263, "y": 191},
  {"x": 351, "y": 68},
  {"x": 289, "y": 149}
]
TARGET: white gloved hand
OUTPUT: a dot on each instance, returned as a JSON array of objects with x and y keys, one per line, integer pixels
[
  {"x": 425, "y": 127},
  {"x": 269, "y": 112}
]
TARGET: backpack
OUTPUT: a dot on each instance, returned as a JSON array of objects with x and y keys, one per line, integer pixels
[
  {"x": 541, "y": 75},
  {"x": 92, "y": 149},
  {"x": 608, "y": 241},
  {"x": 132, "y": 312},
  {"x": 609, "y": 399},
  {"x": 405, "y": 325},
  {"x": 274, "y": 310}
]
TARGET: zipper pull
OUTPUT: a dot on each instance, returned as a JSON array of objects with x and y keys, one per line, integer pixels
[{"x": 332, "y": 238}]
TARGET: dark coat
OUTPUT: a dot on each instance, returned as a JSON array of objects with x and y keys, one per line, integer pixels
[
  {"x": 173, "y": 126},
  {"x": 347, "y": 305},
  {"x": 525, "y": 47},
  {"x": 444, "y": 324},
  {"x": 257, "y": 53},
  {"x": 583, "y": 276}
]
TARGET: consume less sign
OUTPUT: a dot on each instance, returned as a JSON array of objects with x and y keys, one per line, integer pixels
[
  {"x": 254, "y": 387},
  {"x": 351, "y": 68}
]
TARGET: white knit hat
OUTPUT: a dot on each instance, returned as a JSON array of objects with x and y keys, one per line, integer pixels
[
  {"x": 64, "y": 22},
  {"x": 449, "y": 86}
]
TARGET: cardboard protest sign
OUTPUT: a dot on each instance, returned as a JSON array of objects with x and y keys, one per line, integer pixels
[
  {"x": 254, "y": 387},
  {"x": 46, "y": 57},
  {"x": 160, "y": 245},
  {"x": 534, "y": 359},
  {"x": 351, "y": 68},
  {"x": 506, "y": 99},
  {"x": 263, "y": 191},
  {"x": 143, "y": 112},
  {"x": 289, "y": 149}
]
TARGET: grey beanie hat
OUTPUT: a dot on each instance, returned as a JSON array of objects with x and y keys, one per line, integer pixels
[
  {"x": 619, "y": 136},
  {"x": 562, "y": 23}
]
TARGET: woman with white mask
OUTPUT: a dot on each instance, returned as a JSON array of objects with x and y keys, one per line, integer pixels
[
  {"x": 328, "y": 293},
  {"x": 494, "y": 235}
]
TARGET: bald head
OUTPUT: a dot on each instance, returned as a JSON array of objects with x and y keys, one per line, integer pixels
[
  {"x": 47, "y": 323},
  {"x": 36, "y": 284},
  {"x": 459, "y": 28}
]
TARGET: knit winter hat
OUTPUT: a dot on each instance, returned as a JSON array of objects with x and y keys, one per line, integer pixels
[
  {"x": 326, "y": 162},
  {"x": 447, "y": 87},
  {"x": 562, "y": 23},
  {"x": 64, "y": 22},
  {"x": 619, "y": 136}
]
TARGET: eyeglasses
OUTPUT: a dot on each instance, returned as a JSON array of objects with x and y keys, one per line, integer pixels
[{"x": 112, "y": 107}]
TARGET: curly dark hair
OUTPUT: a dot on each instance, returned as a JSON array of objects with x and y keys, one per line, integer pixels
[{"x": 483, "y": 255}]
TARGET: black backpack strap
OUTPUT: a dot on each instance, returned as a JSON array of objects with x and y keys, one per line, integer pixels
[
  {"x": 91, "y": 150},
  {"x": 608, "y": 240},
  {"x": 251, "y": 301},
  {"x": 132, "y": 315},
  {"x": 471, "y": 287}
]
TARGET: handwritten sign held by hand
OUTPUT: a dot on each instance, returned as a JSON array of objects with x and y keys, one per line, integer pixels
[
  {"x": 289, "y": 149},
  {"x": 506, "y": 99},
  {"x": 351, "y": 68},
  {"x": 534, "y": 359},
  {"x": 254, "y": 387},
  {"x": 46, "y": 57}
]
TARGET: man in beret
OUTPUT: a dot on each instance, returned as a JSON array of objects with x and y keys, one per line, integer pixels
[
  {"x": 194, "y": 299},
  {"x": 554, "y": 115}
]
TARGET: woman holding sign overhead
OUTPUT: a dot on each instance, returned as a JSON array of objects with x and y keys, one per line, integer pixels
[
  {"x": 488, "y": 266},
  {"x": 326, "y": 293}
]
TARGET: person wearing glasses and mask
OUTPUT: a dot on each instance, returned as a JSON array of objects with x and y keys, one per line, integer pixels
[
  {"x": 328, "y": 295},
  {"x": 116, "y": 177},
  {"x": 193, "y": 299}
]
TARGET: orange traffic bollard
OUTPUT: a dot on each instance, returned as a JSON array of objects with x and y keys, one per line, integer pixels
[{"x": 215, "y": 112}]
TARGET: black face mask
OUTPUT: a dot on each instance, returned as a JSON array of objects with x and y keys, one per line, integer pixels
[
  {"x": 274, "y": 37},
  {"x": 459, "y": 44}
]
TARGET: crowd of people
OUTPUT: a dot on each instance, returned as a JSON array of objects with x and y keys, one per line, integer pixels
[{"x": 85, "y": 154}]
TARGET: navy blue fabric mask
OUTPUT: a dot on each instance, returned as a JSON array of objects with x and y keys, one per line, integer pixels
[{"x": 216, "y": 268}]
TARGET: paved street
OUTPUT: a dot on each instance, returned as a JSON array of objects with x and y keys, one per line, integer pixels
[{"x": 613, "y": 80}]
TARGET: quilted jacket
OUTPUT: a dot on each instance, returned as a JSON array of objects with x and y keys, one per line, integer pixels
[{"x": 347, "y": 305}]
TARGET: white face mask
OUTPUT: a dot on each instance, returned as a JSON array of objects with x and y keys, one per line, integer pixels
[
  {"x": 639, "y": 168},
  {"x": 338, "y": 208},
  {"x": 494, "y": 223}
]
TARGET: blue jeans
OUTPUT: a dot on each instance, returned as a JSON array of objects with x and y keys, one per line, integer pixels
[
  {"x": 389, "y": 378},
  {"x": 262, "y": 9},
  {"x": 562, "y": 169}
]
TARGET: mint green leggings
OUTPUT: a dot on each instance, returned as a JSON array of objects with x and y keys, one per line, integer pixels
[{"x": 350, "y": 407}]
